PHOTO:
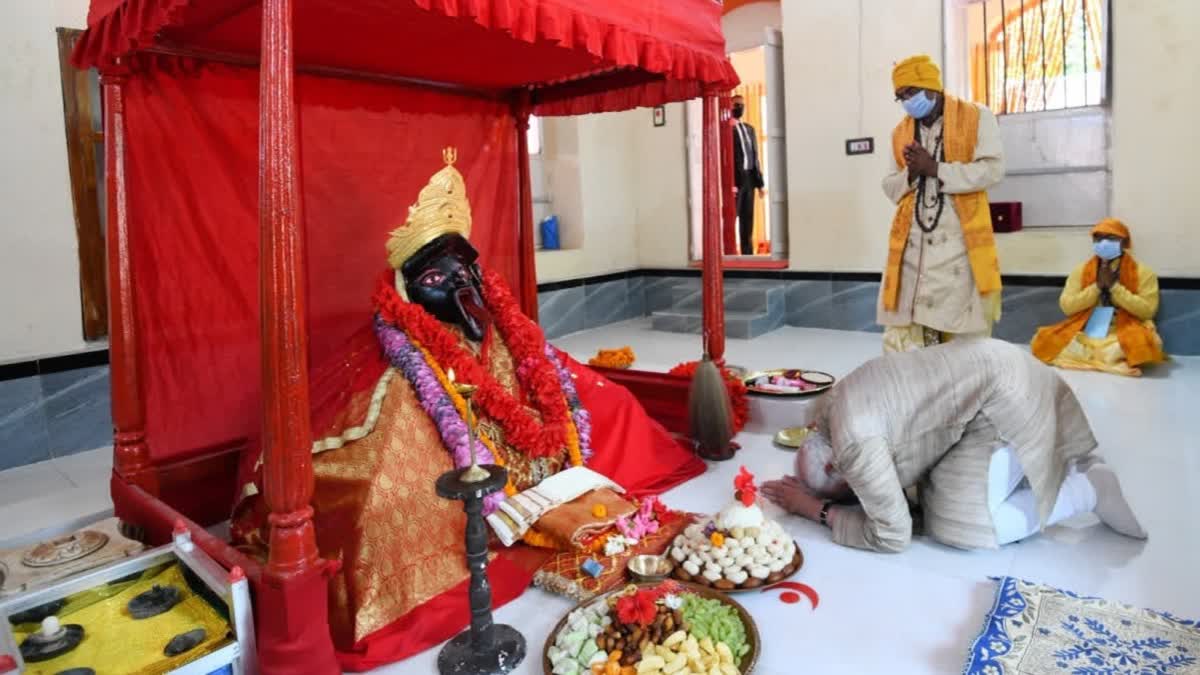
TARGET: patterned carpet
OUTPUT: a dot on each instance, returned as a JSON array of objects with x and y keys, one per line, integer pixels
[{"x": 1036, "y": 630}]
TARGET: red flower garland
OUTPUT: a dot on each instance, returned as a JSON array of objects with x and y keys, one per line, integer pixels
[
  {"x": 526, "y": 343},
  {"x": 738, "y": 398}
]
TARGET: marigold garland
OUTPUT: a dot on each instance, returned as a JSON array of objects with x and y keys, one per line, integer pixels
[
  {"x": 534, "y": 370},
  {"x": 738, "y": 398},
  {"x": 613, "y": 358}
]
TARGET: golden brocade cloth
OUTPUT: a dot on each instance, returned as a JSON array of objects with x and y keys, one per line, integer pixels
[
  {"x": 115, "y": 643},
  {"x": 376, "y": 508},
  {"x": 961, "y": 128}
]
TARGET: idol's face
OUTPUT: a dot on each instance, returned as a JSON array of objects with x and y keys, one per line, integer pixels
[{"x": 443, "y": 277}]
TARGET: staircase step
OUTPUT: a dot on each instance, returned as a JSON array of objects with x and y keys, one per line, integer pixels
[
  {"x": 739, "y": 324},
  {"x": 740, "y": 295}
]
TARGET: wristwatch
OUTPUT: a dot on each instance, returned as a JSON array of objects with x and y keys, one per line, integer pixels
[{"x": 824, "y": 518}]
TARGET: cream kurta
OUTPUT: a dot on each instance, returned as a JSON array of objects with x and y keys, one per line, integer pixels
[
  {"x": 937, "y": 288},
  {"x": 932, "y": 418}
]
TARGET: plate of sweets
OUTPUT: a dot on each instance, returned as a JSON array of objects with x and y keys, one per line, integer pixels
[
  {"x": 738, "y": 549},
  {"x": 661, "y": 628},
  {"x": 788, "y": 382}
]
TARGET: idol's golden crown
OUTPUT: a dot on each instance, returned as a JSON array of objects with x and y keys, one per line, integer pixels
[{"x": 441, "y": 208}]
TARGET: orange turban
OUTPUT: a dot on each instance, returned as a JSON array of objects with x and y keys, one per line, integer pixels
[
  {"x": 1115, "y": 228},
  {"x": 917, "y": 71}
]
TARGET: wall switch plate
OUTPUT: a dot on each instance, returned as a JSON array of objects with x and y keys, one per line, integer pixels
[{"x": 860, "y": 146}]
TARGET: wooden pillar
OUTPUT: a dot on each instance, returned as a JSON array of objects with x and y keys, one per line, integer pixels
[
  {"x": 131, "y": 454},
  {"x": 713, "y": 294},
  {"x": 293, "y": 605},
  {"x": 526, "y": 257},
  {"x": 728, "y": 201}
]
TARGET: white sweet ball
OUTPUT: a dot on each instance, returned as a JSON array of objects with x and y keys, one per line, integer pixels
[
  {"x": 746, "y": 542},
  {"x": 738, "y": 576},
  {"x": 744, "y": 560},
  {"x": 776, "y": 566},
  {"x": 760, "y": 572},
  {"x": 678, "y": 554},
  {"x": 691, "y": 567},
  {"x": 712, "y": 575}
]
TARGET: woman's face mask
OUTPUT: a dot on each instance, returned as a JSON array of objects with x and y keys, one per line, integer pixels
[
  {"x": 1107, "y": 249},
  {"x": 919, "y": 105}
]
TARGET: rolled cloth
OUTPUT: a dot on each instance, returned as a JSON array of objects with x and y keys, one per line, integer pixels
[
  {"x": 1113, "y": 227},
  {"x": 574, "y": 522},
  {"x": 917, "y": 71}
]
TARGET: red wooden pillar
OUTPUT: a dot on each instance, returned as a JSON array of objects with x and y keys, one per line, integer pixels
[
  {"x": 131, "y": 454},
  {"x": 728, "y": 202},
  {"x": 527, "y": 268},
  {"x": 713, "y": 294},
  {"x": 293, "y": 604}
]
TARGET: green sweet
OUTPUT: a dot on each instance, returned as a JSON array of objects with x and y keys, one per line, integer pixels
[{"x": 713, "y": 619}]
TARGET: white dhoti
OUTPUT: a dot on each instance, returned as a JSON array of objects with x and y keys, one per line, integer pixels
[{"x": 1014, "y": 507}]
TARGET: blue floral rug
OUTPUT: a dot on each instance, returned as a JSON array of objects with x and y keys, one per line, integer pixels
[{"x": 1035, "y": 630}]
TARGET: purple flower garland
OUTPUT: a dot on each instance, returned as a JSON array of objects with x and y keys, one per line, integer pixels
[
  {"x": 404, "y": 355},
  {"x": 436, "y": 402},
  {"x": 579, "y": 414}
]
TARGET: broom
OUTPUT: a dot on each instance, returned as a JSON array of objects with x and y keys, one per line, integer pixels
[{"x": 710, "y": 414}]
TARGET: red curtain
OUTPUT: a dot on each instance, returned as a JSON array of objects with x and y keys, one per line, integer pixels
[{"x": 192, "y": 163}]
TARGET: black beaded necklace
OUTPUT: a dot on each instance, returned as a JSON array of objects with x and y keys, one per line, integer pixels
[{"x": 939, "y": 155}]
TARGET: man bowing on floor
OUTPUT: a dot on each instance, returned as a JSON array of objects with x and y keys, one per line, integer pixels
[
  {"x": 996, "y": 442},
  {"x": 942, "y": 278}
]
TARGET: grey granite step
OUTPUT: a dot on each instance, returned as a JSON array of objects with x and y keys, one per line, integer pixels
[{"x": 739, "y": 324}]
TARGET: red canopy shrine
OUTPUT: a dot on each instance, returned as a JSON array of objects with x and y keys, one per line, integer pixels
[{"x": 258, "y": 153}]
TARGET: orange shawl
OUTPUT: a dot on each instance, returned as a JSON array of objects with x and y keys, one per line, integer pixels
[
  {"x": 1137, "y": 341},
  {"x": 961, "y": 128}
]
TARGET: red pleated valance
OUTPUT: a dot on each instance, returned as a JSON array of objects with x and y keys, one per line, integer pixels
[{"x": 578, "y": 56}]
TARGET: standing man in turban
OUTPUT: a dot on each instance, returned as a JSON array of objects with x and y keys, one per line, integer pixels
[
  {"x": 1110, "y": 302},
  {"x": 942, "y": 278}
]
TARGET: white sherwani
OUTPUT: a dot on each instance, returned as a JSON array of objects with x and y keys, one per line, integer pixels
[
  {"x": 932, "y": 418},
  {"x": 937, "y": 289}
]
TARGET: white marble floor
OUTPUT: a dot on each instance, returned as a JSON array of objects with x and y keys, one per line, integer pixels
[{"x": 914, "y": 612}]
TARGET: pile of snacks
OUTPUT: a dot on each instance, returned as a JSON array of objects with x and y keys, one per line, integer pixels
[{"x": 659, "y": 630}]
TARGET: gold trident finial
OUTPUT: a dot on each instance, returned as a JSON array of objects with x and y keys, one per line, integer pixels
[{"x": 450, "y": 155}]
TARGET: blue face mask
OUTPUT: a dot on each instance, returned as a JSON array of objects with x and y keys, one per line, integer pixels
[
  {"x": 1107, "y": 249},
  {"x": 919, "y": 105}
]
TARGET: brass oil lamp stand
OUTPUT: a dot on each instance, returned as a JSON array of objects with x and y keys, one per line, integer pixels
[{"x": 486, "y": 647}]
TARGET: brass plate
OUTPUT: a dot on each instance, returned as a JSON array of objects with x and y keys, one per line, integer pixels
[
  {"x": 752, "y": 637},
  {"x": 65, "y": 549},
  {"x": 821, "y": 381},
  {"x": 792, "y": 437}
]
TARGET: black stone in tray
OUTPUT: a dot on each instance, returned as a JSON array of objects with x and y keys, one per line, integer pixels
[
  {"x": 36, "y": 614},
  {"x": 185, "y": 642},
  {"x": 38, "y": 647},
  {"x": 155, "y": 601},
  {"x": 76, "y": 671}
]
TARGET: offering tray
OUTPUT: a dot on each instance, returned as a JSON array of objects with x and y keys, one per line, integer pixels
[
  {"x": 745, "y": 664},
  {"x": 747, "y": 586},
  {"x": 812, "y": 382}
]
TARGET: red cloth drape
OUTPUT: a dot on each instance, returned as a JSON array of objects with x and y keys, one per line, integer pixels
[
  {"x": 365, "y": 151},
  {"x": 676, "y": 48}
]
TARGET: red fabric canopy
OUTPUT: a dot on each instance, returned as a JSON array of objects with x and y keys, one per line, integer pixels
[
  {"x": 637, "y": 52},
  {"x": 365, "y": 149}
]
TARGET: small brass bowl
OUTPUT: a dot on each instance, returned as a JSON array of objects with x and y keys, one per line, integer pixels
[{"x": 648, "y": 567}]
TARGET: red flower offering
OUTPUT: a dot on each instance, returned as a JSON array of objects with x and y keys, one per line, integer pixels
[
  {"x": 640, "y": 608},
  {"x": 746, "y": 490}
]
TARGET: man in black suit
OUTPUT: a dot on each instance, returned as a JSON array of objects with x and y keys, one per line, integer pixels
[{"x": 747, "y": 175}]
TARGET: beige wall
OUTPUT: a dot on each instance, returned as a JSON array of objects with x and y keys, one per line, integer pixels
[
  {"x": 39, "y": 268},
  {"x": 619, "y": 187},
  {"x": 839, "y": 218},
  {"x": 838, "y": 215}
]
